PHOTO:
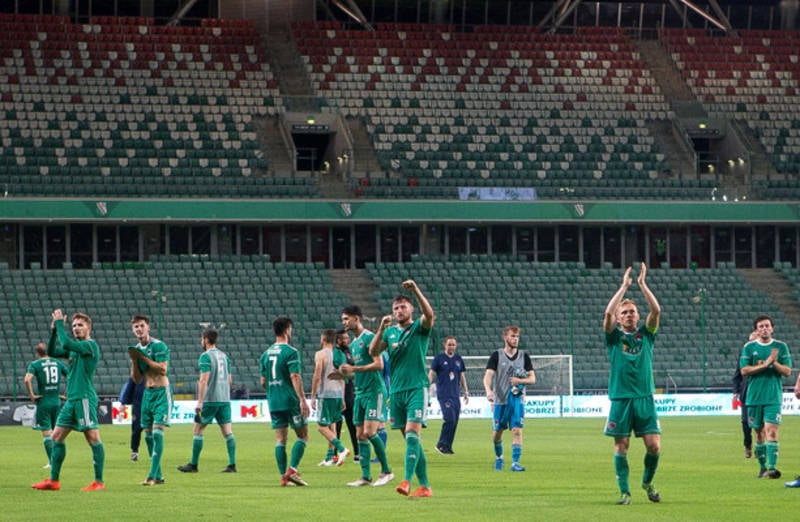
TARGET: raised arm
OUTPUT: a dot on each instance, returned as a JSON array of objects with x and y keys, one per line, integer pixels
[
  {"x": 610, "y": 316},
  {"x": 378, "y": 345},
  {"x": 53, "y": 350},
  {"x": 428, "y": 316},
  {"x": 654, "y": 315}
]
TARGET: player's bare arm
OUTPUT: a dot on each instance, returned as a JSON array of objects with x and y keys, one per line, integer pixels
[
  {"x": 297, "y": 384},
  {"x": 610, "y": 316},
  {"x": 769, "y": 362},
  {"x": 319, "y": 362},
  {"x": 654, "y": 315},
  {"x": 202, "y": 387},
  {"x": 797, "y": 387},
  {"x": 487, "y": 384},
  {"x": 428, "y": 315},
  {"x": 529, "y": 379},
  {"x": 29, "y": 387},
  {"x": 375, "y": 366},
  {"x": 378, "y": 345}
]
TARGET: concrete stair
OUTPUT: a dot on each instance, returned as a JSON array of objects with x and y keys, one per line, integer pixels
[
  {"x": 776, "y": 287},
  {"x": 357, "y": 285}
]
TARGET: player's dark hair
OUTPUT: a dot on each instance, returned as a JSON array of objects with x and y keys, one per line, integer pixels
[
  {"x": 41, "y": 349},
  {"x": 402, "y": 297},
  {"x": 339, "y": 334},
  {"x": 281, "y": 324},
  {"x": 329, "y": 335},
  {"x": 211, "y": 335},
  {"x": 140, "y": 317},
  {"x": 763, "y": 318},
  {"x": 353, "y": 310}
]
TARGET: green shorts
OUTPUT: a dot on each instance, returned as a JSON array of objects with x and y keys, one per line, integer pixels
[
  {"x": 760, "y": 414},
  {"x": 156, "y": 407},
  {"x": 46, "y": 414},
  {"x": 282, "y": 419},
  {"x": 637, "y": 415},
  {"x": 214, "y": 411},
  {"x": 368, "y": 407},
  {"x": 409, "y": 406},
  {"x": 330, "y": 411},
  {"x": 78, "y": 414}
]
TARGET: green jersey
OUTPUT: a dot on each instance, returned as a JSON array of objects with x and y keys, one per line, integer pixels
[
  {"x": 631, "y": 358},
  {"x": 365, "y": 382},
  {"x": 156, "y": 351},
  {"x": 83, "y": 357},
  {"x": 765, "y": 387},
  {"x": 277, "y": 364},
  {"x": 49, "y": 374},
  {"x": 407, "y": 349},
  {"x": 217, "y": 364}
]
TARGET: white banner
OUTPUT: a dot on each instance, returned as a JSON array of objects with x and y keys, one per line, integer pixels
[{"x": 536, "y": 407}]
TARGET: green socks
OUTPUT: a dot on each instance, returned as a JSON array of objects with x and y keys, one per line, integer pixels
[
  {"x": 197, "y": 447},
  {"x": 380, "y": 452},
  {"x": 230, "y": 445},
  {"x": 297, "y": 453},
  {"x": 650, "y": 466},
  {"x": 98, "y": 460},
  {"x": 422, "y": 468},
  {"x": 148, "y": 440},
  {"x": 48, "y": 447},
  {"x": 158, "y": 451},
  {"x": 338, "y": 445},
  {"x": 412, "y": 455},
  {"x": 57, "y": 458},
  {"x": 364, "y": 460},
  {"x": 280, "y": 457},
  {"x": 622, "y": 471},
  {"x": 772, "y": 453},
  {"x": 761, "y": 454}
]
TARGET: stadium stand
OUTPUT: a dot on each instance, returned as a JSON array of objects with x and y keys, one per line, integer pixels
[
  {"x": 559, "y": 307},
  {"x": 497, "y": 107},
  {"x": 122, "y": 107},
  {"x": 754, "y": 79},
  {"x": 182, "y": 295}
]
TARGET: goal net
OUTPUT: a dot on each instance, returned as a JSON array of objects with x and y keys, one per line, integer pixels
[{"x": 553, "y": 374}]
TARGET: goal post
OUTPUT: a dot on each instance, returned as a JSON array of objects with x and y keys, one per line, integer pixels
[{"x": 554, "y": 376}]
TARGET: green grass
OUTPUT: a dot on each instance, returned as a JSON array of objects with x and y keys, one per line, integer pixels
[{"x": 703, "y": 476}]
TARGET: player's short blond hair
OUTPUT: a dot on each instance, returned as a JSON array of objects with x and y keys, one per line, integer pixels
[
  {"x": 511, "y": 328},
  {"x": 83, "y": 316}
]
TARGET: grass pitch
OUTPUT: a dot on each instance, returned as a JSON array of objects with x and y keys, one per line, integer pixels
[{"x": 703, "y": 475}]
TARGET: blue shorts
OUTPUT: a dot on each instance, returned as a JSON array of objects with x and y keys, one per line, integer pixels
[{"x": 505, "y": 416}]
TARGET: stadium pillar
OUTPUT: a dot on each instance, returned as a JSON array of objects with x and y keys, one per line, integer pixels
[
  {"x": 701, "y": 293},
  {"x": 16, "y": 344}
]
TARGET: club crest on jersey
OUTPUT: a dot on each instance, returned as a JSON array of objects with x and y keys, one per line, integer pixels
[{"x": 632, "y": 349}]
